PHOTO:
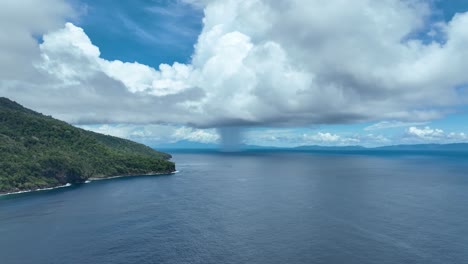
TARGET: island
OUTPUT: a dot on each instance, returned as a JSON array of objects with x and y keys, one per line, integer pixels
[{"x": 38, "y": 151}]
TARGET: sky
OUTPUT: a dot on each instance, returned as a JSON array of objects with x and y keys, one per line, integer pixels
[{"x": 259, "y": 72}]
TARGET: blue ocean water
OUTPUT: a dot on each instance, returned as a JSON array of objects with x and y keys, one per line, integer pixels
[{"x": 252, "y": 208}]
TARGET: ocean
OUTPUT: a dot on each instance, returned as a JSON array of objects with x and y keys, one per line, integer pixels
[{"x": 253, "y": 207}]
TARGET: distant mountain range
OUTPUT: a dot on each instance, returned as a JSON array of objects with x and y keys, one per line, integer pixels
[
  {"x": 331, "y": 148},
  {"x": 193, "y": 146},
  {"x": 428, "y": 147},
  {"x": 416, "y": 147}
]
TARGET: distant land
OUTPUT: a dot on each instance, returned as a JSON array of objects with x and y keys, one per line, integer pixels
[
  {"x": 430, "y": 148},
  {"x": 418, "y": 147},
  {"x": 38, "y": 151}
]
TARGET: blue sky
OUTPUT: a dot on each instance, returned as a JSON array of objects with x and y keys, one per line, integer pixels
[
  {"x": 303, "y": 73},
  {"x": 149, "y": 32},
  {"x": 450, "y": 8}
]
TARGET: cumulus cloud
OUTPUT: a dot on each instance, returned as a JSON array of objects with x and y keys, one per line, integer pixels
[
  {"x": 294, "y": 138},
  {"x": 434, "y": 135},
  {"x": 21, "y": 22},
  {"x": 256, "y": 62},
  {"x": 330, "y": 139},
  {"x": 196, "y": 135},
  {"x": 322, "y": 137},
  {"x": 426, "y": 132}
]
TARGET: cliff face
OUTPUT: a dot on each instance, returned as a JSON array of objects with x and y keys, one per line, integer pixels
[{"x": 38, "y": 151}]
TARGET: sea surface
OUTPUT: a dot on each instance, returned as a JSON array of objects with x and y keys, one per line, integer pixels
[{"x": 252, "y": 208}]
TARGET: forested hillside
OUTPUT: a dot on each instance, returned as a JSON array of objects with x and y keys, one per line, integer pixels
[{"x": 37, "y": 151}]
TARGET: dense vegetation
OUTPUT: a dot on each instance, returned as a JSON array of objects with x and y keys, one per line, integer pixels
[{"x": 38, "y": 151}]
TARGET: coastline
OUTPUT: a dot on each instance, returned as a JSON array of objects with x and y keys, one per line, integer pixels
[
  {"x": 131, "y": 175},
  {"x": 87, "y": 181},
  {"x": 36, "y": 190}
]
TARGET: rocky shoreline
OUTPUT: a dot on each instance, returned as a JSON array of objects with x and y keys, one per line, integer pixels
[
  {"x": 87, "y": 181},
  {"x": 131, "y": 175}
]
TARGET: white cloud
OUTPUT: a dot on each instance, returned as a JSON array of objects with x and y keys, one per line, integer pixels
[
  {"x": 69, "y": 55},
  {"x": 293, "y": 138},
  {"x": 20, "y": 23},
  {"x": 322, "y": 137},
  {"x": 148, "y": 134},
  {"x": 156, "y": 134},
  {"x": 256, "y": 62},
  {"x": 426, "y": 132},
  {"x": 330, "y": 139},
  {"x": 433, "y": 135},
  {"x": 196, "y": 135},
  {"x": 392, "y": 124}
]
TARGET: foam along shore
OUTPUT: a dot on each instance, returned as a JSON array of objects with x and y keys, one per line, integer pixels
[
  {"x": 88, "y": 181},
  {"x": 37, "y": 190}
]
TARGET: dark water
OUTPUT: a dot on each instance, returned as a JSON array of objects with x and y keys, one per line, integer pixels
[{"x": 252, "y": 208}]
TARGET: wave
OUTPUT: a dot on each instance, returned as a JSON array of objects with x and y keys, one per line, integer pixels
[
  {"x": 87, "y": 181},
  {"x": 37, "y": 190}
]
